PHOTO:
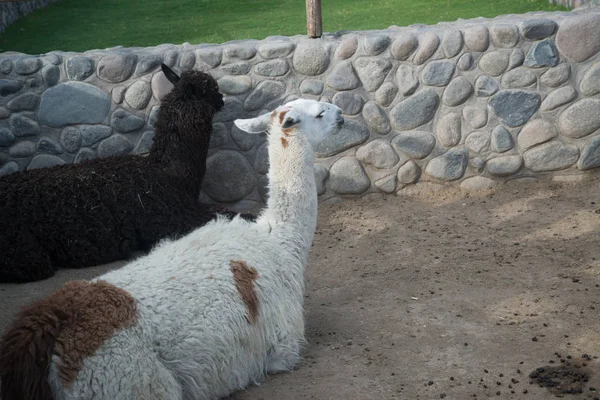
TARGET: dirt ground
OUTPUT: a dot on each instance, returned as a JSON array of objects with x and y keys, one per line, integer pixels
[{"x": 442, "y": 294}]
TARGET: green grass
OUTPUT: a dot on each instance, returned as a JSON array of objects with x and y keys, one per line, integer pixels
[{"x": 79, "y": 25}]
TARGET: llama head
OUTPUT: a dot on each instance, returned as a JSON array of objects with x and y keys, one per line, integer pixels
[
  {"x": 195, "y": 86},
  {"x": 308, "y": 119}
]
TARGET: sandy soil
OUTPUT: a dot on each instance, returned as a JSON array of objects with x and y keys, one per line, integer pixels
[{"x": 441, "y": 294}]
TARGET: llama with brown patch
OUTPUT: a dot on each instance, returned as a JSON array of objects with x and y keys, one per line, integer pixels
[{"x": 197, "y": 318}]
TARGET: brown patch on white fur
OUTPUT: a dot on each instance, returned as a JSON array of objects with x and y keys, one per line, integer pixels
[
  {"x": 284, "y": 142},
  {"x": 73, "y": 323},
  {"x": 282, "y": 116},
  {"x": 244, "y": 278}
]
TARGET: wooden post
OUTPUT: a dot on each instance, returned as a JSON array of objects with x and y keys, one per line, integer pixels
[{"x": 314, "y": 24}]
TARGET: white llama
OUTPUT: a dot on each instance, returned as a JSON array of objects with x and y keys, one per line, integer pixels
[{"x": 197, "y": 318}]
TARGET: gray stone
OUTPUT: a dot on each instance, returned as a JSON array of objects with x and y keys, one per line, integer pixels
[
  {"x": 94, "y": 133},
  {"x": 372, "y": 71},
  {"x": 502, "y": 140},
  {"x": 505, "y": 165},
  {"x": 477, "y": 117},
  {"x": 536, "y": 132},
  {"x": 116, "y": 67},
  {"x": 49, "y": 145},
  {"x": 311, "y": 86},
  {"x": 376, "y": 44},
  {"x": 350, "y": 102},
  {"x": 71, "y": 139},
  {"x": 449, "y": 166},
  {"x": 310, "y": 57},
  {"x": 263, "y": 93},
  {"x": 8, "y": 86},
  {"x": 79, "y": 68},
  {"x": 376, "y": 119},
  {"x": 188, "y": 60},
  {"x": 477, "y": 163},
  {"x": 516, "y": 58},
  {"x": 407, "y": 79},
  {"x": 387, "y": 184},
  {"x": 515, "y": 107},
  {"x": 550, "y": 156},
  {"x": 448, "y": 129},
  {"x": 347, "y": 47},
  {"x": 118, "y": 94},
  {"x": 213, "y": 56},
  {"x": 386, "y": 94},
  {"x": 53, "y": 59},
  {"x": 243, "y": 140},
  {"x": 116, "y": 145},
  {"x": 261, "y": 162},
  {"x": 51, "y": 74},
  {"x": 28, "y": 65},
  {"x": 138, "y": 95},
  {"x": 504, "y": 35},
  {"x": 477, "y": 38},
  {"x": 23, "y": 126},
  {"x": 408, "y": 173},
  {"x": 170, "y": 58},
  {"x": 518, "y": 78},
  {"x": 235, "y": 84},
  {"x": 229, "y": 177},
  {"x": 580, "y": 119},
  {"x": 478, "y": 183},
  {"x": 558, "y": 98},
  {"x": 415, "y": 144},
  {"x": 351, "y": 134},
  {"x": 238, "y": 68},
  {"x": 271, "y": 68},
  {"x": 457, "y": 92},
  {"x": 590, "y": 155},
  {"x": 73, "y": 103},
  {"x": 147, "y": 63},
  {"x": 452, "y": 43},
  {"x": 6, "y": 137},
  {"x": 542, "y": 54},
  {"x": 465, "y": 62},
  {"x": 485, "y": 86},
  {"x": 243, "y": 51},
  {"x": 556, "y": 76},
  {"x": 9, "y": 168},
  {"x": 403, "y": 46},
  {"x": 6, "y": 66},
  {"x": 571, "y": 33},
  {"x": 153, "y": 115},
  {"x": 232, "y": 110},
  {"x": 321, "y": 174},
  {"x": 495, "y": 63},
  {"x": 347, "y": 176},
  {"x": 590, "y": 83},
  {"x": 45, "y": 161},
  {"x": 84, "y": 155},
  {"x": 22, "y": 149},
  {"x": 219, "y": 136},
  {"x": 34, "y": 83},
  {"x": 24, "y": 102},
  {"x": 125, "y": 122},
  {"x": 377, "y": 153},
  {"x": 536, "y": 29},
  {"x": 415, "y": 111},
  {"x": 161, "y": 86},
  {"x": 144, "y": 143},
  {"x": 478, "y": 142},
  {"x": 343, "y": 77},
  {"x": 437, "y": 73},
  {"x": 4, "y": 113},
  {"x": 274, "y": 49},
  {"x": 428, "y": 44}
]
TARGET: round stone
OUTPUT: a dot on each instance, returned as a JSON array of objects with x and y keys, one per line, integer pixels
[
  {"x": 116, "y": 145},
  {"x": 73, "y": 103},
  {"x": 415, "y": 144},
  {"x": 351, "y": 134},
  {"x": 505, "y": 165},
  {"x": 144, "y": 143},
  {"x": 118, "y": 94},
  {"x": 243, "y": 140},
  {"x": 377, "y": 153},
  {"x": 49, "y": 145},
  {"x": 465, "y": 62},
  {"x": 538, "y": 28},
  {"x": 477, "y": 117},
  {"x": 415, "y": 111},
  {"x": 573, "y": 30},
  {"x": 550, "y": 156},
  {"x": 4, "y": 113},
  {"x": 580, "y": 119},
  {"x": 590, "y": 155},
  {"x": 235, "y": 84},
  {"x": 350, "y": 102},
  {"x": 516, "y": 58},
  {"x": 138, "y": 95},
  {"x": 518, "y": 78},
  {"x": 403, "y": 46},
  {"x": 457, "y": 92},
  {"x": 6, "y": 66},
  {"x": 536, "y": 132},
  {"x": 477, "y": 38},
  {"x": 311, "y": 86},
  {"x": 51, "y": 74},
  {"x": 22, "y": 149},
  {"x": 236, "y": 68},
  {"x": 171, "y": 57},
  {"x": 272, "y": 68},
  {"x": 9, "y": 86},
  {"x": 91, "y": 134},
  {"x": 343, "y": 77},
  {"x": 79, "y": 68},
  {"x": 212, "y": 56},
  {"x": 478, "y": 183},
  {"x": 376, "y": 119},
  {"x": 28, "y": 65},
  {"x": 386, "y": 94},
  {"x": 187, "y": 61},
  {"x": 452, "y": 43},
  {"x": 386, "y": 184},
  {"x": 485, "y": 86},
  {"x": 407, "y": 79},
  {"x": 504, "y": 35},
  {"x": 437, "y": 73},
  {"x": 495, "y": 63},
  {"x": 161, "y": 86},
  {"x": 263, "y": 93},
  {"x": 84, "y": 155},
  {"x": 6, "y": 137},
  {"x": 590, "y": 83},
  {"x": 372, "y": 71},
  {"x": 70, "y": 138},
  {"x": 347, "y": 176},
  {"x": 428, "y": 44},
  {"x": 261, "y": 161},
  {"x": 448, "y": 129},
  {"x": 408, "y": 173},
  {"x": 515, "y": 107},
  {"x": 243, "y": 50},
  {"x": 556, "y": 76},
  {"x": 449, "y": 166},
  {"x": 558, "y": 98},
  {"x": 147, "y": 63},
  {"x": 502, "y": 140},
  {"x": 24, "y": 102},
  {"x": 310, "y": 58},
  {"x": 347, "y": 47},
  {"x": 478, "y": 142},
  {"x": 116, "y": 67},
  {"x": 22, "y": 126},
  {"x": 45, "y": 161},
  {"x": 321, "y": 174},
  {"x": 53, "y": 59},
  {"x": 542, "y": 54},
  {"x": 220, "y": 135},
  {"x": 126, "y": 122},
  {"x": 9, "y": 168},
  {"x": 376, "y": 44},
  {"x": 276, "y": 49}
]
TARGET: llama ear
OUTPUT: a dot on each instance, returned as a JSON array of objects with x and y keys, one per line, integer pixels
[
  {"x": 253, "y": 125},
  {"x": 290, "y": 120},
  {"x": 169, "y": 74}
]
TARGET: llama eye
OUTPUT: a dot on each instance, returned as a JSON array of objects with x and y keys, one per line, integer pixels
[{"x": 320, "y": 114}]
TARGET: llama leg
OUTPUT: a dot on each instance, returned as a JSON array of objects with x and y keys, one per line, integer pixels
[{"x": 23, "y": 258}]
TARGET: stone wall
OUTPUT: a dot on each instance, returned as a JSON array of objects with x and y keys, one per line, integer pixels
[
  {"x": 10, "y": 11},
  {"x": 472, "y": 103},
  {"x": 575, "y": 3}
]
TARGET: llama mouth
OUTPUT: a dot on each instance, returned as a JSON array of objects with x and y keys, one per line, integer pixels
[{"x": 339, "y": 122}]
